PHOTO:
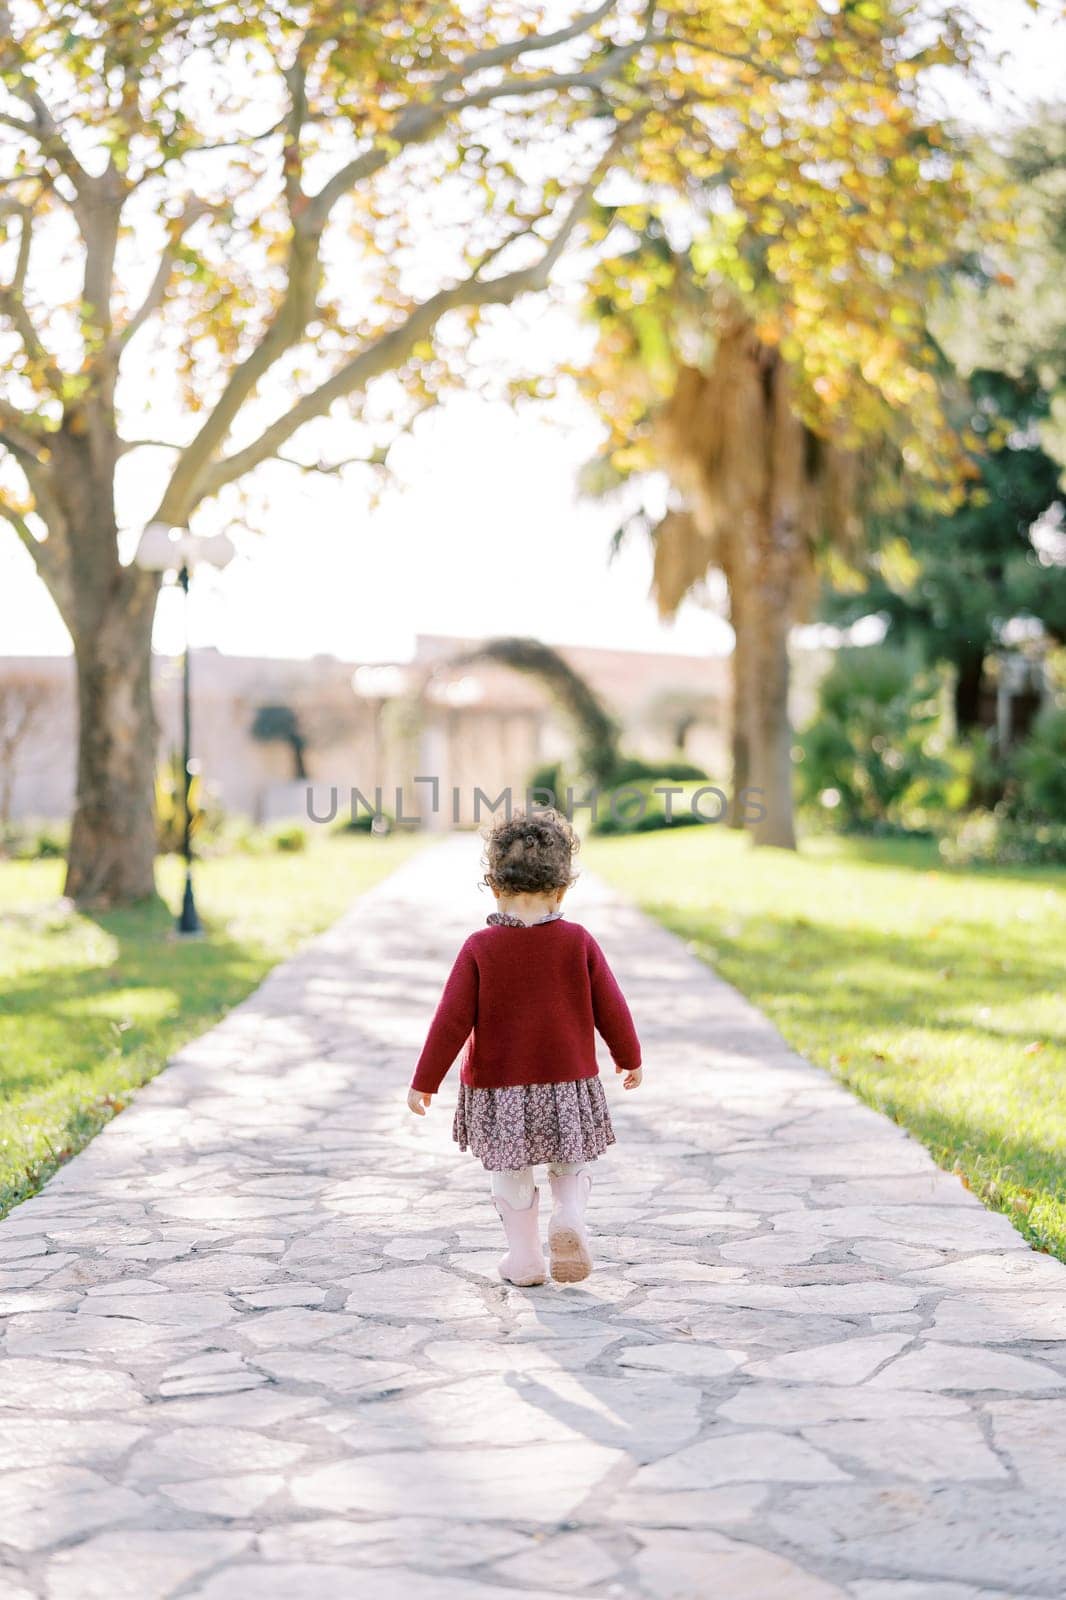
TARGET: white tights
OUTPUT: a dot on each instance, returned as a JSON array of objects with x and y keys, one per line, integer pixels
[{"x": 517, "y": 1187}]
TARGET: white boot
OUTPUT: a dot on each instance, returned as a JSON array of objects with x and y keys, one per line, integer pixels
[
  {"x": 524, "y": 1262},
  {"x": 568, "y": 1240}
]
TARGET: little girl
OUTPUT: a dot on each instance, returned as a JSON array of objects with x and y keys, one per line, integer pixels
[{"x": 525, "y": 996}]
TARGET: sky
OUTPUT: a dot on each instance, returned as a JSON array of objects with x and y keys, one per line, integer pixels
[{"x": 482, "y": 530}]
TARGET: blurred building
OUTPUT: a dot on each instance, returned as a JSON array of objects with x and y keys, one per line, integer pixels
[{"x": 372, "y": 726}]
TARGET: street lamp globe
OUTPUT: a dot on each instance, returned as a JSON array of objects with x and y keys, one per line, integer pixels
[{"x": 158, "y": 549}]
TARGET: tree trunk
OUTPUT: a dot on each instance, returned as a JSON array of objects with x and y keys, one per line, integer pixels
[
  {"x": 772, "y": 553},
  {"x": 742, "y": 689},
  {"x": 969, "y": 671},
  {"x": 771, "y": 734},
  {"x": 112, "y": 841},
  {"x": 7, "y": 787}
]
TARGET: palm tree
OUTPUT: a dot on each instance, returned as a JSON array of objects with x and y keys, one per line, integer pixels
[{"x": 760, "y": 492}]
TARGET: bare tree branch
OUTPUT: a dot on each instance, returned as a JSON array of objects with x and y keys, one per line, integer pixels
[
  {"x": 291, "y": 156},
  {"x": 48, "y": 557},
  {"x": 153, "y": 300},
  {"x": 310, "y": 215},
  {"x": 391, "y": 348},
  {"x": 519, "y": 88},
  {"x": 704, "y": 47},
  {"x": 503, "y": 54},
  {"x": 126, "y": 445},
  {"x": 285, "y": 327},
  {"x": 333, "y": 469},
  {"x": 19, "y": 431},
  {"x": 43, "y": 127},
  {"x": 13, "y": 304},
  {"x": 421, "y": 122}
]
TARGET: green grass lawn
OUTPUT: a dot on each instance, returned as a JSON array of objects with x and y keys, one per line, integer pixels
[
  {"x": 938, "y": 995},
  {"x": 91, "y": 1007}
]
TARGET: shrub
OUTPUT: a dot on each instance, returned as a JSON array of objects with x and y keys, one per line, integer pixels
[
  {"x": 367, "y": 822},
  {"x": 1039, "y": 765},
  {"x": 549, "y": 776},
  {"x": 630, "y": 816},
  {"x": 50, "y": 842},
  {"x": 631, "y": 769},
  {"x": 628, "y": 771},
  {"x": 994, "y": 839},
  {"x": 231, "y": 833},
  {"x": 207, "y": 815},
  {"x": 289, "y": 837},
  {"x": 34, "y": 841},
  {"x": 875, "y": 755}
]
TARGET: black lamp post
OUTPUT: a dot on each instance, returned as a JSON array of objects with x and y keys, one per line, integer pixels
[
  {"x": 164, "y": 549},
  {"x": 189, "y": 919}
]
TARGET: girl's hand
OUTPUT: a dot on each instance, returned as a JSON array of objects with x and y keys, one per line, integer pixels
[
  {"x": 418, "y": 1102},
  {"x": 634, "y": 1079}
]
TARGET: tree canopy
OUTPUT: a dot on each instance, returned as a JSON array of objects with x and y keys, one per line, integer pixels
[
  {"x": 955, "y": 581},
  {"x": 216, "y": 174},
  {"x": 1008, "y": 312},
  {"x": 239, "y": 216},
  {"x": 952, "y": 584}
]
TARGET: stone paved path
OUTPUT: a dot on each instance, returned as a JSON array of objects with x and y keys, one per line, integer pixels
[{"x": 255, "y": 1346}]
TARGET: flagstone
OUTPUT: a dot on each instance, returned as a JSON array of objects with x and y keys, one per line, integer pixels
[
  {"x": 217, "y": 1269},
  {"x": 29, "y": 1384},
  {"x": 895, "y": 1257},
  {"x": 138, "y": 1563},
  {"x": 485, "y": 1355},
  {"x": 849, "y": 1299},
  {"x": 965, "y": 1367},
  {"x": 267, "y": 1311},
  {"x": 940, "y": 1449},
  {"x": 283, "y": 1294},
  {"x": 440, "y": 1544},
  {"x": 417, "y": 1292},
  {"x": 770, "y": 1404},
  {"x": 687, "y": 1360},
  {"x": 705, "y": 1221},
  {"x": 725, "y": 1506},
  {"x": 998, "y": 1318},
  {"x": 77, "y": 1334},
  {"x": 219, "y": 1372},
  {"x": 196, "y": 1452},
  {"x": 943, "y": 1227},
  {"x": 676, "y": 1565},
  {"x": 762, "y": 1332},
  {"x": 189, "y": 1313},
  {"x": 772, "y": 1250},
  {"x": 238, "y": 1497},
  {"x": 683, "y": 1272},
  {"x": 893, "y": 1589},
  {"x": 848, "y": 1361},
  {"x": 42, "y": 1505},
  {"x": 539, "y": 1483},
  {"x": 293, "y": 1325},
  {"x": 289, "y": 1581},
  {"x": 740, "y": 1458},
  {"x": 966, "y": 1532},
  {"x": 39, "y": 1441},
  {"x": 332, "y": 1370},
  {"x": 570, "y": 1561},
  {"x": 1030, "y": 1433}
]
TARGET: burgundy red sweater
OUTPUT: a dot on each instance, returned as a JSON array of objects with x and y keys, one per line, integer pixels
[{"x": 526, "y": 1003}]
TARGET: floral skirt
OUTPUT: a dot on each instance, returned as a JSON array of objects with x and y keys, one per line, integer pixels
[{"x": 524, "y": 1124}]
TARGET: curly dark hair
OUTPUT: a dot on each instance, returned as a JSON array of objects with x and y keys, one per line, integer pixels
[{"x": 530, "y": 853}]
